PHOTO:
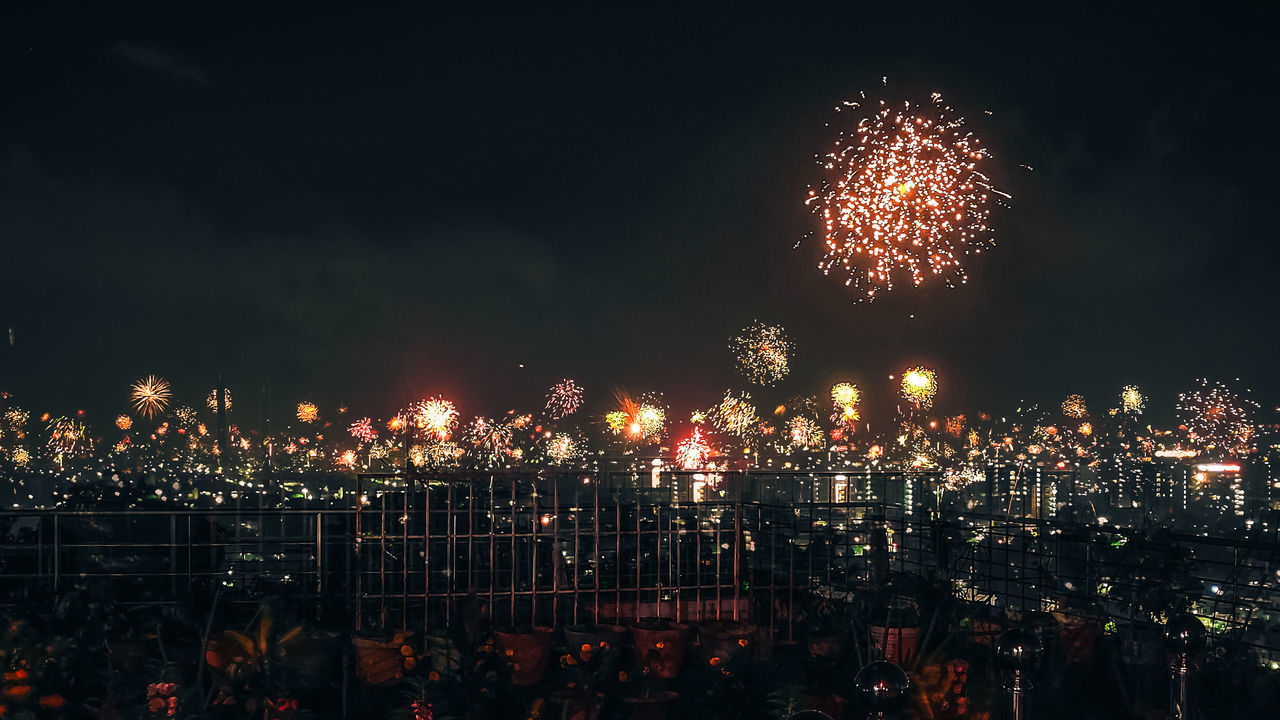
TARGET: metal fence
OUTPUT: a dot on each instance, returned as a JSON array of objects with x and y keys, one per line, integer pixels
[{"x": 595, "y": 547}]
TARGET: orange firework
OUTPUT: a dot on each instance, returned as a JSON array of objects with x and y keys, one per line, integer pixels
[
  {"x": 902, "y": 196},
  {"x": 150, "y": 396}
]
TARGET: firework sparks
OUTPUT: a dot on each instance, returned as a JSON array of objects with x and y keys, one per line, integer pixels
[
  {"x": 150, "y": 396},
  {"x": 348, "y": 458},
  {"x": 436, "y": 417},
  {"x": 491, "y": 438},
  {"x": 643, "y": 421},
  {"x": 1075, "y": 407},
  {"x": 563, "y": 448},
  {"x": 124, "y": 422},
  {"x": 1218, "y": 417},
  {"x": 735, "y": 415},
  {"x": 185, "y": 416},
  {"x": 397, "y": 424},
  {"x": 902, "y": 196},
  {"x": 845, "y": 395},
  {"x": 66, "y": 436},
  {"x": 805, "y": 434},
  {"x": 1132, "y": 400},
  {"x": 21, "y": 457},
  {"x": 693, "y": 452},
  {"x": 212, "y": 399},
  {"x": 363, "y": 431},
  {"x": 308, "y": 412},
  {"x": 16, "y": 419},
  {"x": 919, "y": 385},
  {"x": 563, "y": 399},
  {"x": 762, "y": 353}
]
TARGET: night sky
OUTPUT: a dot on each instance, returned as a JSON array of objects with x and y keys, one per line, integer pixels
[{"x": 367, "y": 206}]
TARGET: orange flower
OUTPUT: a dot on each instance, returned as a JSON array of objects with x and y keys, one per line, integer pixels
[
  {"x": 433, "y": 676},
  {"x": 715, "y": 661},
  {"x": 52, "y": 702},
  {"x": 622, "y": 676},
  {"x": 17, "y": 691},
  {"x": 742, "y": 642}
]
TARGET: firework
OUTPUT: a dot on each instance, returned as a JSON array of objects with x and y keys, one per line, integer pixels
[
  {"x": 845, "y": 395},
  {"x": 563, "y": 399},
  {"x": 150, "y": 396},
  {"x": 185, "y": 416},
  {"x": 643, "y": 421},
  {"x": 562, "y": 448},
  {"x": 348, "y": 458},
  {"x": 66, "y": 436},
  {"x": 693, "y": 452},
  {"x": 436, "y": 417},
  {"x": 397, "y": 424},
  {"x": 735, "y": 415},
  {"x": 919, "y": 385},
  {"x": 762, "y": 353},
  {"x": 1074, "y": 407},
  {"x": 16, "y": 419},
  {"x": 1218, "y": 418},
  {"x": 21, "y": 457},
  {"x": 212, "y": 399},
  {"x": 492, "y": 438},
  {"x": 363, "y": 431},
  {"x": 1131, "y": 400},
  {"x": 805, "y": 434},
  {"x": 434, "y": 454},
  {"x": 960, "y": 478},
  {"x": 902, "y": 196},
  {"x": 124, "y": 422},
  {"x": 955, "y": 426},
  {"x": 308, "y": 412}
]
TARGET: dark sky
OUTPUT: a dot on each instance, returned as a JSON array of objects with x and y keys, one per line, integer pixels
[{"x": 368, "y": 205}]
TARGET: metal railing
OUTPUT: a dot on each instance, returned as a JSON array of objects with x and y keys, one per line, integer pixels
[{"x": 555, "y": 549}]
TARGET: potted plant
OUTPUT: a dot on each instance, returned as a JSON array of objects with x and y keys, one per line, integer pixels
[
  {"x": 661, "y": 644},
  {"x": 591, "y": 677},
  {"x": 249, "y": 669},
  {"x": 527, "y": 652}
]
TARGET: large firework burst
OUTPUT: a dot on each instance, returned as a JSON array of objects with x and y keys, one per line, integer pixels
[
  {"x": 804, "y": 433},
  {"x": 1074, "y": 407},
  {"x": 644, "y": 421},
  {"x": 919, "y": 385},
  {"x": 693, "y": 452},
  {"x": 308, "y": 412},
  {"x": 563, "y": 448},
  {"x": 1132, "y": 400},
  {"x": 492, "y": 438},
  {"x": 150, "y": 396},
  {"x": 735, "y": 415},
  {"x": 563, "y": 399},
  {"x": 902, "y": 196},
  {"x": 762, "y": 353},
  {"x": 124, "y": 422},
  {"x": 436, "y": 417},
  {"x": 363, "y": 431},
  {"x": 1218, "y": 418}
]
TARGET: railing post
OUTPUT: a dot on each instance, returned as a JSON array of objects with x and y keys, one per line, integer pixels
[
  {"x": 1018, "y": 652},
  {"x": 57, "y": 552},
  {"x": 1184, "y": 635}
]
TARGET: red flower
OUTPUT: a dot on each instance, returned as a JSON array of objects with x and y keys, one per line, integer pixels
[
  {"x": 155, "y": 704},
  {"x": 52, "y": 702},
  {"x": 17, "y": 691},
  {"x": 18, "y": 674}
]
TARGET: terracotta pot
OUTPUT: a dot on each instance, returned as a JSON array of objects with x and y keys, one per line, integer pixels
[
  {"x": 897, "y": 645},
  {"x": 655, "y": 705},
  {"x": 726, "y": 639},
  {"x": 575, "y": 636},
  {"x": 527, "y": 653},
  {"x": 826, "y": 646},
  {"x": 660, "y": 649},
  {"x": 381, "y": 661}
]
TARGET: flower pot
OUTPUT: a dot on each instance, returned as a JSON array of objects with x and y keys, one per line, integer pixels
[
  {"x": 527, "y": 654},
  {"x": 726, "y": 639},
  {"x": 654, "y": 705},
  {"x": 575, "y": 636},
  {"x": 381, "y": 661},
  {"x": 896, "y": 645},
  {"x": 660, "y": 650}
]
